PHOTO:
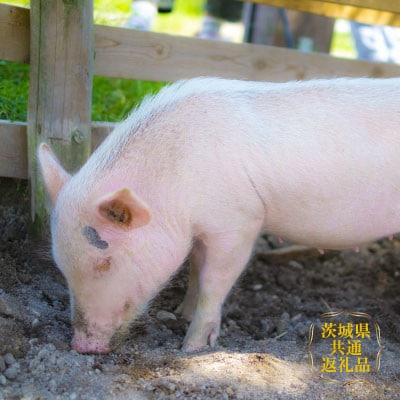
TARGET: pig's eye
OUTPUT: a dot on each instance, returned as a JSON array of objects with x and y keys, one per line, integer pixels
[
  {"x": 128, "y": 306},
  {"x": 103, "y": 267}
]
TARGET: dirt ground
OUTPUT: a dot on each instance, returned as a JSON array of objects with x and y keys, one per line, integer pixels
[{"x": 262, "y": 351}]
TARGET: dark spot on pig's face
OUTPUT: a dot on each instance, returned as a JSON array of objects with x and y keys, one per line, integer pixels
[
  {"x": 94, "y": 238},
  {"x": 103, "y": 267}
]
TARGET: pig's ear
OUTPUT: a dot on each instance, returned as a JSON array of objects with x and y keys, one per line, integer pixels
[
  {"x": 55, "y": 177},
  {"x": 123, "y": 209}
]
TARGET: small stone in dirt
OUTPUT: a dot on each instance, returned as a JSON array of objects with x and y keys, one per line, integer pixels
[
  {"x": 2, "y": 364},
  {"x": 267, "y": 328},
  {"x": 148, "y": 387},
  {"x": 283, "y": 324},
  {"x": 165, "y": 316},
  {"x": 297, "y": 317},
  {"x": 257, "y": 287},
  {"x": 302, "y": 328},
  {"x": 73, "y": 396},
  {"x": 229, "y": 391},
  {"x": 295, "y": 264},
  {"x": 177, "y": 326},
  {"x": 169, "y": 386},
  {"x": 53, "y": 385},
  {"x": 43, "y": 353},
  {"x": 35, "y": 323},
  {"x": 11, "y": 372},
  {"x": 3, "y": 380},
  {"x": 9, "y": 359}
]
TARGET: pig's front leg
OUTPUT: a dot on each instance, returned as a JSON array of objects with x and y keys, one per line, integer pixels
[{"x": 225, "y": 256}]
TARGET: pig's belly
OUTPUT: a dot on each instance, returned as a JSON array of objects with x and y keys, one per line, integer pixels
[
  {"x": 339, "y": 224},
  {"x": 334, "y": 205}
]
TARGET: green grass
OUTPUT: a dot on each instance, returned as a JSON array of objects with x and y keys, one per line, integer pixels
[
  {"x": 112, "y": 98},
  {"x": 184, "y": 20},
  {"x": 14, "y": 88}
]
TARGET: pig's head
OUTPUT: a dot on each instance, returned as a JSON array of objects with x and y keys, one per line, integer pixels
[{"x": 92, "y": 246}]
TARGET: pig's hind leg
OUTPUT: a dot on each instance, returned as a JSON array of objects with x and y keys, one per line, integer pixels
[
  {"x": 224, "y": 258},
  {"x": 196, "y": 260}
]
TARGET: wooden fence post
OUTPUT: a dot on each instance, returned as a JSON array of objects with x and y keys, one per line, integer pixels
[{"x": 61, "y": 73}]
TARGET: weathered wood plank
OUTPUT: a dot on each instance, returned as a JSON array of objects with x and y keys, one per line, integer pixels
[
  {"x": 60, "y": 93},
  {"x": 145, "y": 55},
  {"x": 13, "y": 150},
  {"x": 14, "y": 147},
  {"x": 125, "y": 53},
  {"x": 100, "y": 130},
  {"x": 14, "y": 31},
  {"x": 382, "y": 5},
  {"x": 378, "y": 12}
]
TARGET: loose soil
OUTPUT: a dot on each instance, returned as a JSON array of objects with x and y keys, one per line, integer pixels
[{"x": 262, "y": 351}]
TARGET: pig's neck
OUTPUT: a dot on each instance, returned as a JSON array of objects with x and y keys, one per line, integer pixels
[{"x": 164, "y": 250}]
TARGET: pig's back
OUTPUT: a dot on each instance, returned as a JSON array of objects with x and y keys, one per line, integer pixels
[
  {"x": 318, "y": 159},
  {"x": 332, "y": 176}
]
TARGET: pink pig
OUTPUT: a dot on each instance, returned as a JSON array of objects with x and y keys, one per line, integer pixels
[{"x": 200, "y": 170}]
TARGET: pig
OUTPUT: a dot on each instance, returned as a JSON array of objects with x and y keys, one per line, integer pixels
[{"x": 198, "y": 171}]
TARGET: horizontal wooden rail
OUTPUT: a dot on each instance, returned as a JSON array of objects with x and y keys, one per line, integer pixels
[
  {"x": 131, "y": 54},
  {"x": 13, "y": 149},
  {"x": 379, "y": 12},
  {"x": 381, "y": 5},
  {"x": 145, "y": 55},
  {"x": 389, "y": 6},
  {"x": 14, "y": 31}
]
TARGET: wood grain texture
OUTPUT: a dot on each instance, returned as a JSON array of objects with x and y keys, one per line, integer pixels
[
  {"x": 61, "y": 70},
  {"x": 14, "y": 31},
  {"x": 13, "y": 150},
  {"x": 382, "y": 5},
  {"x": 126, "y": 53},
  {"x": 378, "y": 12},
  {"x": 14, "y": 146}
]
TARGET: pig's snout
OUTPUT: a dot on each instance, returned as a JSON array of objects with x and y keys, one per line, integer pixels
[
  {"x": 94, "y": 334},
  {"x": 88, "y": 344}
]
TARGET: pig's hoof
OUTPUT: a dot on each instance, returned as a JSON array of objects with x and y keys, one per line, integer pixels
[
  {"x": 189, "y": 348},
  {"x": 199, "y": 342}
]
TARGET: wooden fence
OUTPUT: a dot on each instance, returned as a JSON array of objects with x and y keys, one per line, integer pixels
[{"x": 131, "y": 54}]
